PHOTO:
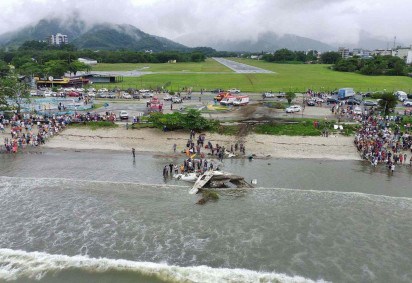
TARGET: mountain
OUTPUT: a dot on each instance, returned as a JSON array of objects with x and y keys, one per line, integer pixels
[
  {"x": 111, "y": 37},
  {"x": 42, "y": 30},
  {"x": 266, "y": 42},
  {"x": 96, "y": 37}
]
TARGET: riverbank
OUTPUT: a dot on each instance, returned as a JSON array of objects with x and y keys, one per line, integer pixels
[{"x": 155, "y": 141}]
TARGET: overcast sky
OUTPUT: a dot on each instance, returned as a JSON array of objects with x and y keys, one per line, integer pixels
[{"x": 330, "y": 21}]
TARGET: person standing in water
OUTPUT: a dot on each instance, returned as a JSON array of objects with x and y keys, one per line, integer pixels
[{"x": 134, "y": 153}]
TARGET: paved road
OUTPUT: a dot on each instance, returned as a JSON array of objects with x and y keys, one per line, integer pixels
[{"x": 240, "y": 67}]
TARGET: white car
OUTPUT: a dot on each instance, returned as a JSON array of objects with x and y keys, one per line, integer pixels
[
  {"x": 268, "y": 95},
  {"x": 234, "y": 90},
  {"x": 177, "y": 99},
  {"x": 357, "y": 110},
  {"x": 34, "y": 93},
  {"x": 125, "y": 95},
  {"x": 123, "y": 115},
  {"x": 293, "y": 109},
  {"x": 407, "y": 103},
  {"x": 167, "y": 97},
  {"x": 47, "y": 93}
]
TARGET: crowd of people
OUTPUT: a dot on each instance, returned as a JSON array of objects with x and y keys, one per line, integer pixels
[
  {"x": 381, "y": 141},
  {"x": 196, "y": 161},
  {"x": 34, "y": 130}
]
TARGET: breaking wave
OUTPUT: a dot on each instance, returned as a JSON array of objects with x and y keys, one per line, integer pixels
[{"x": 16, "y": 264}]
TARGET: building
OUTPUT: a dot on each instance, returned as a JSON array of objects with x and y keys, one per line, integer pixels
[
  {"x": 383, "y": 52},
  {"x": 344, "y": 52},
  {"x": 58, "y": 39},
  {"x": 409, "y": 57},
  {"x": 403, "y": 52},
  {"x": 87, "y": 61},
  {"x": 362, "y": 53}
]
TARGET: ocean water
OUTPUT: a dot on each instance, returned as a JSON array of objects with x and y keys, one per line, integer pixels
[{"x": 100, "y": 217}]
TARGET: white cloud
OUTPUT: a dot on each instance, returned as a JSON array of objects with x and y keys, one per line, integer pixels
[{"x": 326, "y": 20}]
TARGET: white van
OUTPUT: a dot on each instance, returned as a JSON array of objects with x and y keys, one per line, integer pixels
[
  {"x": 228, "y": 100},
  {"x": 401, "y": 95},
  {"x": 241, "y": 100}
]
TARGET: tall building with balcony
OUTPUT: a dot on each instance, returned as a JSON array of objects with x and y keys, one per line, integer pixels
[
  {"x": 344, "y": 52},
  {"x": 58, "y": 39}
]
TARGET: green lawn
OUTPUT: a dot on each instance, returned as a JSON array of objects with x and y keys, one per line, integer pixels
[
  {"x": 287, "y": 77},
  {"x": 209, "y": 65}
]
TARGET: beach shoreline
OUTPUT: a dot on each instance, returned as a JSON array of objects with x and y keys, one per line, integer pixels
[{"x": 156, "y": 142}]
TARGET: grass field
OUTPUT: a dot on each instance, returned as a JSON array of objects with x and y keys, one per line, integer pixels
[
  {"x": 209, "y": 65},
  {"x": 287, "y": 77}
]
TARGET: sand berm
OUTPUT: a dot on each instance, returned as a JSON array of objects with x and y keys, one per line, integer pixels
[{"x": 335, "y": 147}]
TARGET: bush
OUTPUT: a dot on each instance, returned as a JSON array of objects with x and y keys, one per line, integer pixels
[
  {"x": 94, "y": 125},
  {"x": 192, "y": 120}
]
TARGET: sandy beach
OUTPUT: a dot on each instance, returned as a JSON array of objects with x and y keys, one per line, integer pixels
[{"x": 156, "y": 141}]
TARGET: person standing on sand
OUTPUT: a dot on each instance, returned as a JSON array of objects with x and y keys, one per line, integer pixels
[{"x": 174, "y": 148}]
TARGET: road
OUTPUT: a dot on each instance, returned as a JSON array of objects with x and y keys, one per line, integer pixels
[{"x": 240, "y": 67}]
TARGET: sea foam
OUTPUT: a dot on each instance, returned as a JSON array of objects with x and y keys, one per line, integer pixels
[{"x": 17, "y": 264}]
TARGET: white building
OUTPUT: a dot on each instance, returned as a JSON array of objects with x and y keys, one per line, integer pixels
[
  {"x": 58, "y": 39},
  {"x": 409, "y": 57},
  {"x": 344, "y": 52},
  {"x": 402, "y": 52}
]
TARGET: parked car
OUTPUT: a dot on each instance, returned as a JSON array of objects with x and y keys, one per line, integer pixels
[
  {"x": 216, "y": 90},
  {"x": 268, "y": 95},
  {"x": 73, "y": 94},
  {"x": 370, "y": 103},
  {"x": 177, "y": 99},
  {"x": 103, "y": 90},
  {"x": 47, "y": 93},
  {"x": 35, "y": 93},
  {"x": 311, "y": 102},
  {"x": 147, "y": 94},
  {"x": 357, "y": 110},
  {"x": 102, "y": 94},
  {"x": 136, "y": 96},
  {"x": 293, "y": 108},
  {"x": 167, "y": 97},
  {"x": 407, "y": 103},
  {"x": 123, "y": 115},
  {"x": 234, "y": 90},
  {"x": 318, "y": 99},
  {"x": 111, "y": 95},
  {"x": 332, "y": 100},
  {"x": 91, "y": 94},
  {"x": 125, "y": 95},
  {"x": 352, "y": 101}
]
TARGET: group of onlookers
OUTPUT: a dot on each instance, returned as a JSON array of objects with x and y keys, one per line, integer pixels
[{"x": 380, "y": 140}]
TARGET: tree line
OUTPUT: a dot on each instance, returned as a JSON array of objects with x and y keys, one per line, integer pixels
[
  {"x": 35, "y": 58},
  {"x": 377, "y": 65}
]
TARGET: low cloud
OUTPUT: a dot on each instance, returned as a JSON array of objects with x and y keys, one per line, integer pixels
[{"x": 198, "y": 22}]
